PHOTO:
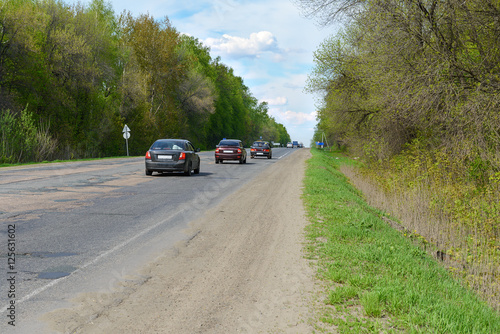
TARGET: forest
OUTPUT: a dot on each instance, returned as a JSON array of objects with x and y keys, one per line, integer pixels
[
  {"x": 412, "y": 88},
  {"x": 72, "y": 75}
]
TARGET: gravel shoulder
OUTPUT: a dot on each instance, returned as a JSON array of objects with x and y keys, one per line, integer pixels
[{"x": 243, "y": 271}]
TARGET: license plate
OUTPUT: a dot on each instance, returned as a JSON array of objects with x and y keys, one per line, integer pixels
[
  {"x": 164, "y": 157},
  {"x": 226, "y": 151},
  {"x": 260, "y": 153}
]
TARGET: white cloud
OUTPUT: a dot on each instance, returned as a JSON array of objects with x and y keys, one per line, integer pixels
[
  {"x": 299, "y": 117},
  {"x": 293, "y": 117},
  {"x": 237, "y": 47},
  {"x": 277, "y": 101}
]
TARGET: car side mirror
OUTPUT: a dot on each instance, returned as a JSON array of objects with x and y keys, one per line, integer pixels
[{"x": 197, "y": 150}]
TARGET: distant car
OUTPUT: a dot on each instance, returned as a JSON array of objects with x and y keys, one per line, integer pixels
[
  {"x": 172, "y": 155},
  {"x": 261, "y": 149},
  {"x": 289, "y": 145},
  {"x": 230, "y": 149},
  {"x": 295, "y": 144}
]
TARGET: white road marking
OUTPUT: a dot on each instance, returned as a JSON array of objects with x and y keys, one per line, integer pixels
[{"x": 92, "y": 262}]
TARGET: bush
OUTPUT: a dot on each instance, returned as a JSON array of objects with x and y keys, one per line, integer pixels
[{"x": 22, "y": 141}]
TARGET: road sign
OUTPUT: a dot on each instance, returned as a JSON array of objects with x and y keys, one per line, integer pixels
[{"x": 126, "y": 135}]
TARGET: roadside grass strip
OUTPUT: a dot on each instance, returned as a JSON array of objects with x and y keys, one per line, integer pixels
[
  {"x": 58, "y": 161},
  {"x": 375, "y": 279}
]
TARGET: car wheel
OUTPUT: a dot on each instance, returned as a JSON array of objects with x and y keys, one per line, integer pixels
[
  {"x": 269, "y": 156},
  {"x": 197, "y": 170},
  {"x": 149, "y": 172},
  {"x": 189, "y": 169},
  {"x": 216, "y": 161},
  {"x": 245, "y": 161},
  {"x": 241, "y": 161}
]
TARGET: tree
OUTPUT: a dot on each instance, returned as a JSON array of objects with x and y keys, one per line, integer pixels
[
  {"x": 404, "y": 69},
  {"x": 196, "y": 93},
  {"x": 81, "y": 73},
  {"x": 153, "y": 52},
  {"x": 327, "y": 11}
]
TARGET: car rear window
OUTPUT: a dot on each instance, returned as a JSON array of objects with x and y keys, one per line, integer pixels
[
  {"x": 168, "y": 145},
  {"x": 229, "y": 143},
  {"x": 259, "y": 144}
]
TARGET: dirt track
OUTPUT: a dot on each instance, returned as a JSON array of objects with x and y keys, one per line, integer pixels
[{"x": 243, "y": 272}]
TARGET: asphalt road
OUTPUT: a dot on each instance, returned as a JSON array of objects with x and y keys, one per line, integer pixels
[{"x": 87, "y": 226}]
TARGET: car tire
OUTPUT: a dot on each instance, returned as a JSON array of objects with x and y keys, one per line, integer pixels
[
  {"x": 216, "y": 161},
  {"x": 245, "y": 161},
  {"x": 197, "y": 170},
  {"x": 269, "y": 156},
  {"x": 149, "y": 172},
  {"x": 240, "y": 161},
  {"x": 189, "y": 169}
]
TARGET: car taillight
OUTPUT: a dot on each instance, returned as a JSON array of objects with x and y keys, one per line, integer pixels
[
  {"x": 239, "y": 150},
  {"x": 252, "y": 150},
  {"x": 148, "y": 155},
  {"x": 182, "y": 156},
  {"x": 266, "y": 150},
  {"x": 217, "y": 150}
]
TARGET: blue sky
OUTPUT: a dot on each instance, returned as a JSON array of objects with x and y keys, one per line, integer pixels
[{"x": 268, "y": 43}]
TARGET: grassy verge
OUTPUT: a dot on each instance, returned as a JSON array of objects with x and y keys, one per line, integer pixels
[
  {"x": 375, "y": 279},
  {"x": 56, "y": 161},
  {"x": 452, "y": 206}
]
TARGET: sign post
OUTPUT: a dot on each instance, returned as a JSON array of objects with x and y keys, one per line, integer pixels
[{"x": 126, "y": 135}]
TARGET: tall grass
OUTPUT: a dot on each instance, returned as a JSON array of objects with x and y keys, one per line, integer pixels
[
  {"x": 376, "y": 279},
  {"x": 22, "y": 140},
  {"x": 453, "y": 211}
]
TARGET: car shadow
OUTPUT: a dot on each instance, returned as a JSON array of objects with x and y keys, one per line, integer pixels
[{"x": 177, "y": 174}]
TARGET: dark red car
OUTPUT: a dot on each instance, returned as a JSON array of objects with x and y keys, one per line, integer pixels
[
  {"x": 261, "y": 149},
  {"x": 230, "y": 149}
]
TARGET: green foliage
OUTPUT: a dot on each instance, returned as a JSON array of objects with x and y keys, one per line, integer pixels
[
  {"x": 413, "y": 89},
  {"x": 342, "y": 294},
  {"x": 86, "y": 72},
  {"x": 399, "y": 70},
  {"x": 376, "y": 278},
  {"x": 11, "y": 137},
  {"x": 372, "y": 304},
  {"x": 22, "y": 140},
  {"x": 459, "y": 210}
]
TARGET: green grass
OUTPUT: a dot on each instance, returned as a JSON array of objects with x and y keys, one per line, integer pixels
[{"x": 377, "y": 280}]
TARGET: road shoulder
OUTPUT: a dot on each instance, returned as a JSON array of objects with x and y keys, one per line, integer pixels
[{"x": 243, "y": 271}]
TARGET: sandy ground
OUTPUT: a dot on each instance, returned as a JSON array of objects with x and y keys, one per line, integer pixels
[{"x": 244, "y": 271}]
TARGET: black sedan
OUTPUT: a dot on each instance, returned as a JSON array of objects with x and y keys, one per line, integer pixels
[{"x": 172, "y": 155}]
